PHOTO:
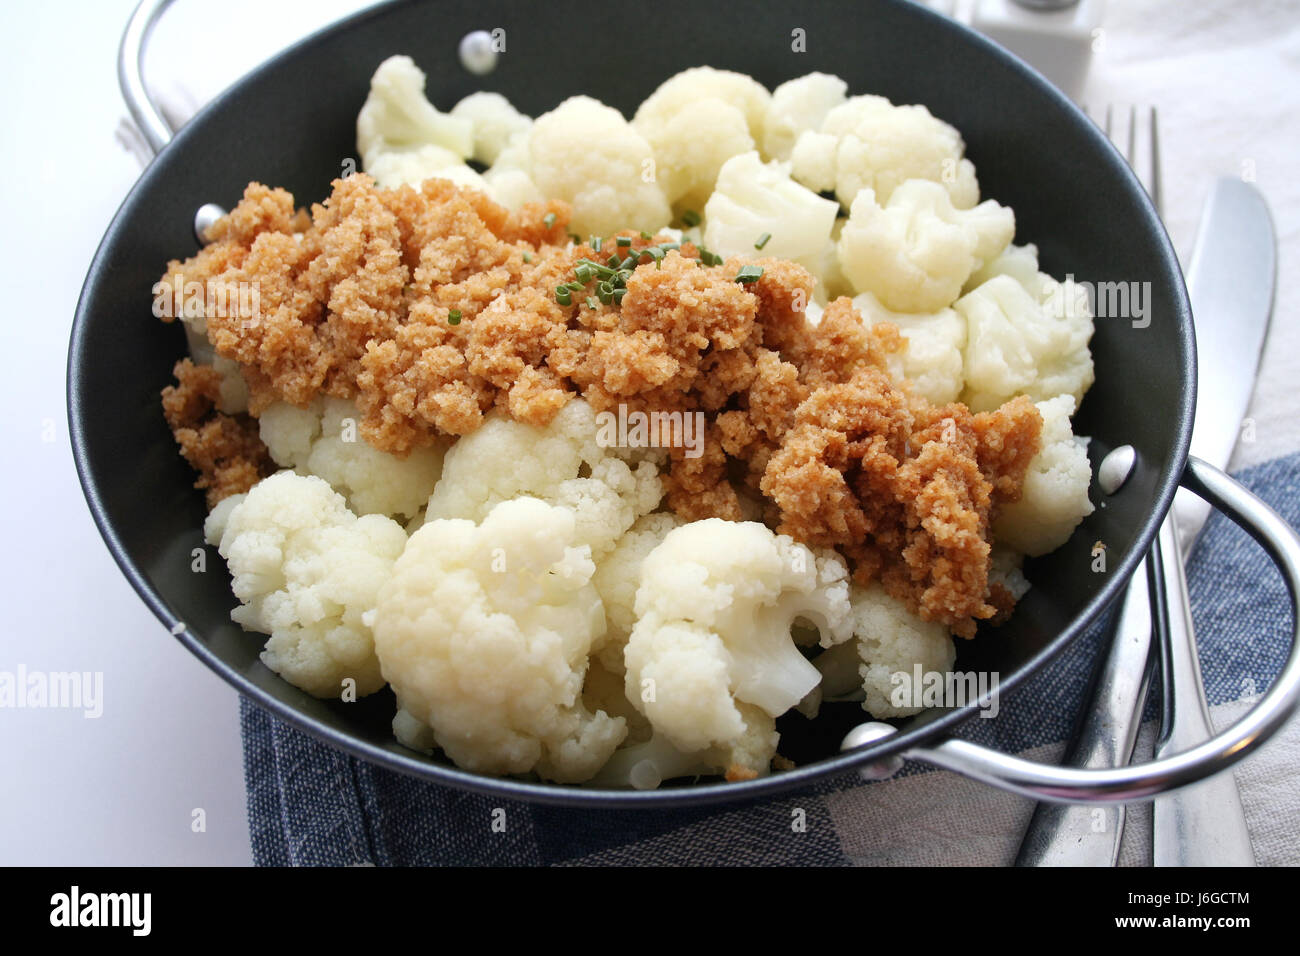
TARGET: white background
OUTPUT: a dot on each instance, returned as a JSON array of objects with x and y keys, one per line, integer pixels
[{"x": 122, "y": 788}]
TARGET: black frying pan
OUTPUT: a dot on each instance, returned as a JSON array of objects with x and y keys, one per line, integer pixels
[{"x": 292, "y": 123}]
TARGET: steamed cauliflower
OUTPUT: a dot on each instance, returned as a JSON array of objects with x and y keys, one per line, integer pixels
[
  {"x": 696, "y": 121},
  {"x": 916, "y": 252},
  {"x": 496, "y": 123},
  {"x": 587, "y": 154},
  {"x": 506, "y": 459},
  {"x": 402, "y": 138},
  {"x": 714, "y": 613},
  {"x": 1019, "y": 343},
  {"x": 869, "y": 143},
  {"x": 888, "y": 639},
  {"x": 306, "y": 570},
  {"x": 484, "y": 632},
  {"x": 617, "y": 577},
  {"x": 798, "y": 106},
  {"x": 1055, "y": 496},
  {"x": 932, "y": 360},
  {"x": 752, "y": 199},
  {"x": 322, "y": 440}
]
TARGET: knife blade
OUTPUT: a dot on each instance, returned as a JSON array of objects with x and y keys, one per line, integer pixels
[{"x": 1230, "y": 282}]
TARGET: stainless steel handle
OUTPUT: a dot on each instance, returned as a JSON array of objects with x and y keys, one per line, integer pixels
[
  {"x": 1079, "y": 835},
  {"x": 1145, "y": 781},
  {"x": 1201, "y": 825},
  {"x": 130, "y": 74}
]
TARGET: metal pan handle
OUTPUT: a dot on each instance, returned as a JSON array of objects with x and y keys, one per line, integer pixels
[
  {"x": 130, "y": 74},
  {"x": 1145, "y": 781}
]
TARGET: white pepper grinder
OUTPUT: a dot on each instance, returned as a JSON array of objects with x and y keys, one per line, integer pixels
[{"x": 1057, "y": 37}]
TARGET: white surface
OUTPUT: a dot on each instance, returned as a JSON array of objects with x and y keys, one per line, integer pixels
[{"x": 122, "y": 788}]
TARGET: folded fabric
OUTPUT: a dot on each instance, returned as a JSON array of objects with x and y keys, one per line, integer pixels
[{"x": 309, "y": 804}]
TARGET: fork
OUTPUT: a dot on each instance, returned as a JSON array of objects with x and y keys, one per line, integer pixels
[{"x": 1083, "y": 836}]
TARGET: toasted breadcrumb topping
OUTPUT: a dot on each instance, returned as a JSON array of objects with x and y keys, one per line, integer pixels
[{"x": 429, "y": 306}]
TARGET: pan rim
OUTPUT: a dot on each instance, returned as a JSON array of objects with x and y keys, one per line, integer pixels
[{"x": 426, "y": 768}]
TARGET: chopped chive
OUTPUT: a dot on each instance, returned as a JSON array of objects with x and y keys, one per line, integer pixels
[
  {"x": 665, "y": 246},
  {"x": 563, "y": 296},
  {"x": 646, "y": 236},
  {"x": 453, "y": 317},
  {"x": 618, "y": 294},
  {"x": 691, "y": 218},
  {"x": 591, "y": 302},
  {"x": 748, "y": 274},
  {"x": 612, "y": 262},
  {"x": 548, "y": 220},
  {"x": 583, "y": 272},
  {"x": 629, "y": 263},
  {"x": 527, "y": 258},
  {"x": 577, "y": 239},
  {"x": 624, "y": 241},
  {"x": 595, "y": 243},
  {"x": 577, "y": 286},
  {"x": 763, "y": 240}
]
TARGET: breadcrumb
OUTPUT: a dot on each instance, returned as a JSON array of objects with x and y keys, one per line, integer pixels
[{"x": 429, "y": 306}]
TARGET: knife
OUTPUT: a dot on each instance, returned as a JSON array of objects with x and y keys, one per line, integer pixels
[{"x": 1230, "y": 282}]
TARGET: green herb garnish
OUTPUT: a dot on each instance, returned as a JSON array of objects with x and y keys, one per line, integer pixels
[
  {"x": 691, "y": 218},
  {"x": 548, "y": 220},
  {"x": 748, "y": 274},
  {"x": 763, "y": 240},
  {"x": 453, "y": 317}
]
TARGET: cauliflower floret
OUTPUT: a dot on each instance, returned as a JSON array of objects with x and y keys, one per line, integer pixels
[
  {"x": 1055, "y": 495},
  {"x": 397, "y": 119},
  {"x": 322, "y": 440},
  {"x": 496, "y": 123},
  {"x": 413, "y": 166},
  {"x": 587, "y": 154},
  {"x": 888, "y": 639},
  {"x": 646, "y": 764},
  {"x": 868, "y": 143},
  {"x": 505, "y": 459},
  {"x": 932, "y": 359},
  {"x": 1019, "y": 262},
  {"x": 1004, "y": 569},
  {"x": 917, "y": 251},
  {"x": 700, "y": 83},
  {"x": 617, "y": 577},
  {"x": 714, "y": 613},
  {"x": 1021, "y": 344},
  {"x": 484, "y": 631},
  {"x": 752, "y": 199},
  {"x": 797, "y": 106},
  {"x": 692, "y": 145},
  {"x": 306, "y": 570}
]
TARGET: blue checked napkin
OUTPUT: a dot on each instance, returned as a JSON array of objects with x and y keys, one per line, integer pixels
[{"x": 310, "y": 804}]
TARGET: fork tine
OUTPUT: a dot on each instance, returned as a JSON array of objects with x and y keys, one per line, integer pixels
[
  {"x": 1131, "y": 153},
  {"x": 1155, "y": 190}
]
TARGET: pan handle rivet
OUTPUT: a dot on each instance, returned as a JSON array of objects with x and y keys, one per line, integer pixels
[
  {"x": 478, "y": 53},
  {"x": 1115, "y": 469},
  {"x": 208, "y": 214},
  {"x": 869, "y": 733}
]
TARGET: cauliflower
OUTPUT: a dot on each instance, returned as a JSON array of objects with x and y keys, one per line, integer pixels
[
  {"x": 1019, "y": 262},
  {"x": 868, "y": 143},
  {"x": 617, "y": 577},
  {"x": 1018, "y": 343},
  {"x": 714, "y": 613},
  {"x": 587, "y": 154},
  {"x": 888, "y": 639},
  {"x": 484, "y": 631},
  {"x": 798, "y": 106},
  {"x": 692, "y": 145},
  {"x": 306, "y": 570},
  {"x": 495, "y": 122},
  {"x": 322, "y": 440},
  {"x": 646, "y": 764},
  {"x": 506, "y": 459},
  {"x": 400, "y": 135},
  {"x": 1055, "y": 495},
  {"x": 413, "y": 166},
  {"x": 753, "y": 199},
  {"x": 933, "y": 357},
  {"x": 917, "y": 251}
]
